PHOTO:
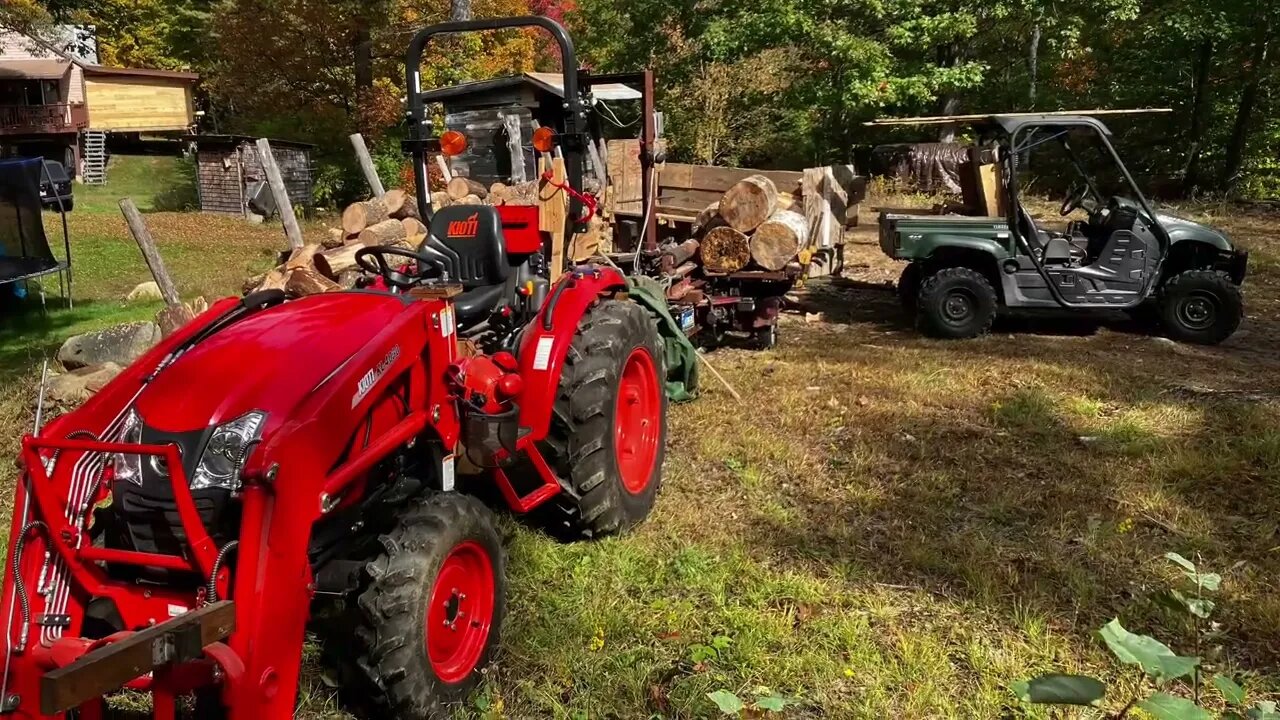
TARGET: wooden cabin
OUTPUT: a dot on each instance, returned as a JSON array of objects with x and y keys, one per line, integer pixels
[
  {"x": 230, "y": 179},
  {"x": 61, "y": 106}
]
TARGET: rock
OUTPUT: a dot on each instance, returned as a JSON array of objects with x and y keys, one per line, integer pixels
[
  {"x": 255, "y": 218},
  {"x": 74, "y": 387},
  {"x": 121, "y": 344},
  {"x": 144, "y": 292}
]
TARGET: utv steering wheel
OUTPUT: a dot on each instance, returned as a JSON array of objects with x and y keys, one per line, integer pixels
[
  {"x": 1075, "y": 197},
  {"x": 375, "y": 260}
]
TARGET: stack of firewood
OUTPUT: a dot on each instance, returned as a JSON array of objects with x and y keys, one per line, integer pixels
[
  {"x": 752, "y": 227},
  {"x": 391, "y": 220}
]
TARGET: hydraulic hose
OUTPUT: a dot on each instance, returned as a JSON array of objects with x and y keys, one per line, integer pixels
[
  {"x": 212, "y": 588},
  {"x": 19, "y": 585}
]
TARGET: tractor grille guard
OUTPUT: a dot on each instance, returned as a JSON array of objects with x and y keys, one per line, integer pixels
[{"x": 69, "y": 540}]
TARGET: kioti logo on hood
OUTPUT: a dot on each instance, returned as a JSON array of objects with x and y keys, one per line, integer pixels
[{"x": 465, "y": 228}]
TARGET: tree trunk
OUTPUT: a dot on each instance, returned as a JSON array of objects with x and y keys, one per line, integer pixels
[
  {"x": 725, "y": 250},
  {"x": 1244, "y": 113},
  {"x": 1033, "y": 64},
  {"x": 1199, "y": 102},
  {"x": 778, "y": 239},
  {"x": 362, "y": 46},
  {"x": 949, "y": 101},
  {"x": 748, "y": 203}
]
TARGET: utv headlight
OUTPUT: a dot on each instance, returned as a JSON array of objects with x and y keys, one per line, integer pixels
[
  {"x": 228, "y": 447},
  {"x": 128, "y": 466}
]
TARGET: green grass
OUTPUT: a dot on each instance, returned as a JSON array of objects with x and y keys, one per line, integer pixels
[
  {"x": 889, "y": 527},
  {"x": 155, "y": 182}
]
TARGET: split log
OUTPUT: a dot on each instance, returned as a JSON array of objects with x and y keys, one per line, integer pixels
[
  {"x": 460, "y": 187},
  {"x": 498, "y": 193},
  {"x": 468, "y": 200},
  {"x": 525, "y": 193},
  {"x": 413, "y": 226},
  {"x": 271, "y": 280},
  {"x": 332, "y": 263},
  {"x": 386, "y": 232},
  {"x": 674, "y": 255},
  {"x": 791, "y": 201},
  {"x": 440, "y": 199},
  {"x": 336, "y": 237},
  {"x": 395, "y": 202},
  {"x": 778, "y": 239},
  {"x": 749, "y": 202},
  {"x": 303, "y": 257},
  {"x": 361, "y": 215},
  {"x": 306, "y": 281},
  {"x": 725, "y": 250}
]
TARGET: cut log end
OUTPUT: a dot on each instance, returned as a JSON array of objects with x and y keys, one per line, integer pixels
[
  {"x": 361, "y": 215},
  {"x": 778, "y": 239},
  {"x": 461, "y": 187},
  {"x": 386, "y": 232},
  {"x": 725, "y": 250},
  {"x": 748, "y": 203}
]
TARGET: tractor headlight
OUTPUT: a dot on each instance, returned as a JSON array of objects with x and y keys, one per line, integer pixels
[
  {"x": 128, "y": 466},
  {"x": 228, "y": 447}
]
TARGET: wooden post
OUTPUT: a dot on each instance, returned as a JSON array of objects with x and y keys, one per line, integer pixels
[
  {"x": 142, "y": 236},
  {"x": 366, "y": 165},
  {"x": 444, "y": 169},
  {"x": 280, "y": 193},
  {"x": 515, "y": 146}
]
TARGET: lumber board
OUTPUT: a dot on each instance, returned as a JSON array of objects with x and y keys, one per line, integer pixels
[
  {"x": 680, "y": 176},
  {"x": 97, "y": 673}
]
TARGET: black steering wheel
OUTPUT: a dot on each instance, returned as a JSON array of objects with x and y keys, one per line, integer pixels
[
  {"x": 1075, "y": 197},
  {"x": 375, "y": 260}
]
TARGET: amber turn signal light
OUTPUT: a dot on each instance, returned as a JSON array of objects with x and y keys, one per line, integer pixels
[
  {"x": 544, "y": 139},
  {"x": 453, "y": 143}
]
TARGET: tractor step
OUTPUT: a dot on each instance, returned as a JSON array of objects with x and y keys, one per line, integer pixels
[{"x": 98, "y": 672}]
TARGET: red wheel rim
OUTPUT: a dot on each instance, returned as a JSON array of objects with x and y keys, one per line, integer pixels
[
  {"x": 637, "y": 421},
  {"x": 461, "y": 612}
]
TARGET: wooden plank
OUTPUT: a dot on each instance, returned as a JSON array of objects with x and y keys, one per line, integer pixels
[
  {"x": 553, "y": 212},
  {"x": 147, "y": 244},
  {"x": 366, "y": 164},
  {"x": 101, "y": 671},
  {"x": 138, "y": 103},
  {"x": 280, "y": 193},
  {"x": 624, "y": 170}
]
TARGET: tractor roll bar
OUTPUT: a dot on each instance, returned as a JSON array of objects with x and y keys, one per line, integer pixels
[{"x": 420, "y": 131}]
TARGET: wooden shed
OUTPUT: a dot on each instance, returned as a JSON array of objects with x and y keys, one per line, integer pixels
[{"x": 229, "y": 174}]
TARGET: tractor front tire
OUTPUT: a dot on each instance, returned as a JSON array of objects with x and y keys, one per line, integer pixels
[
  {"x": 1200, "y": 306},
  {"x": 956, "y": 303},
  {"x": 431, "y": 612},
  {"x": 609, "y": 426}
]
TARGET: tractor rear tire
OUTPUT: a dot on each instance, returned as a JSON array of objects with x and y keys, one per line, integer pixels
[
  {"x": 956, "y": 303},
  {"x": 609, "y": 426},
  {"x": 1201, "y": 306},
  {"x": 429, "y": 617}
]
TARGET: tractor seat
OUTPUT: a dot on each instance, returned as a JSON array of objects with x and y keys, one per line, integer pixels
[{"x": 469, "y": 237}]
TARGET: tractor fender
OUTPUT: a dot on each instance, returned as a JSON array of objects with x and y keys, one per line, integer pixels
[{"x": 545, "y": 342}]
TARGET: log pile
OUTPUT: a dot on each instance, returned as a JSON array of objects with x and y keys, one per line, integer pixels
[
  {"x": 753, "y": 227},
  {"x": 391, "y": 220}
]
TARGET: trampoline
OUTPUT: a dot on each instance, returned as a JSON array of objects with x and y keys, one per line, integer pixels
[{"x": 24, "y": 248}]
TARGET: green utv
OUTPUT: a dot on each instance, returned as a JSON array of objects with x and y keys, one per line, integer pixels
[{"x": 1119, "y": 254}]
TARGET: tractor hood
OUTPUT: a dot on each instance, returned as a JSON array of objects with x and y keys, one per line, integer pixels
[
  {"x": 268, "y": 362},
  {"x": 1181, "y": 229}
]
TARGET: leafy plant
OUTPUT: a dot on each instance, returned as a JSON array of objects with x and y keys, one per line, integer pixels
[
  {"x": 766, "y": 701},
  {"x": 699, "y": 654},
  {"x": 1160, "y": 665}
]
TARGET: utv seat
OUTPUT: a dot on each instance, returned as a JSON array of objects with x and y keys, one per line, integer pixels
[{"x": 469, "y": 237}]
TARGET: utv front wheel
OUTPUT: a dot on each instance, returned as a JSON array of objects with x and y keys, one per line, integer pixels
[
  {"x": 1201, "y": 306},
  {"x": 609, "y": 425},
  {"x": 430, "y": 617},
  {"x": 956, "y": 303},
  {"x": 909, "y": 286}
]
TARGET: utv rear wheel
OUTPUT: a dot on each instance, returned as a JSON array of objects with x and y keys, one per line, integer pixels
[
  {"x": 430, "y": 616},
  {"x": 609, "y": 425},
  {"x": 1201, "y": 306},
  {"x": 956, "y": 303}
]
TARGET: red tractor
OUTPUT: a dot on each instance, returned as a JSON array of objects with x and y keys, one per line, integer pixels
[{"x": 278, "y": 465}]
